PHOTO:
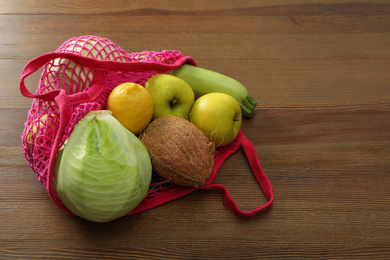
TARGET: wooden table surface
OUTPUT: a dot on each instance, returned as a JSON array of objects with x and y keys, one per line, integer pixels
[{"x": 320, "y": 72}]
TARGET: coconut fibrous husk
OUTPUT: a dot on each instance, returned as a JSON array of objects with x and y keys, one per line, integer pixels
[{"x": 180, "y": 152}]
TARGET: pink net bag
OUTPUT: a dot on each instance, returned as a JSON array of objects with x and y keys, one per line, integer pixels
[{"x": 77, "y": 78}]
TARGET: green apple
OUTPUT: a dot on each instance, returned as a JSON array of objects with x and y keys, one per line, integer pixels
[
  {"x": 219, "y": 116},
  {"x": 171, "y": 96}
]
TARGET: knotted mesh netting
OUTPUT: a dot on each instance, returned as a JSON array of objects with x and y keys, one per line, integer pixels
[{"x": 41, "y": 127}]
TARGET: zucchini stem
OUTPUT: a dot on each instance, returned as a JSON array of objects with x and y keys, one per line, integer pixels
[{"x": 248, "y": 105}]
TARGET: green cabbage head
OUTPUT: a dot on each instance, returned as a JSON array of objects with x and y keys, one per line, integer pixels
[{"x": 103, "y": 171}]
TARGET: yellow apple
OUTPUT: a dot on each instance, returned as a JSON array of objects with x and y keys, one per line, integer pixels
[{"x": 219, "y": 116}]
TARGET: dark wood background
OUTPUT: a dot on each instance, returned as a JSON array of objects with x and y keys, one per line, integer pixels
[{"x": 320, "y": 71}]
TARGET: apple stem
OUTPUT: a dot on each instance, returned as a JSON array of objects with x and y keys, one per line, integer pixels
[{"x": 173, "y": 103}]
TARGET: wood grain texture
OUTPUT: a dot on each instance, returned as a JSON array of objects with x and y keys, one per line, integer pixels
[{"x": 319, "y": 70}]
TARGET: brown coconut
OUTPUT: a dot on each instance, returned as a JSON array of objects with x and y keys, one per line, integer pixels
[{"x": 180, "y": 152}]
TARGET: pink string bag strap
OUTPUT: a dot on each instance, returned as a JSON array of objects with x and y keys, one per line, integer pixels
[
  {"x": 95, "y": 65},
  {"x": 220, "y": 157},
  {"x": 261, "y": 177}
]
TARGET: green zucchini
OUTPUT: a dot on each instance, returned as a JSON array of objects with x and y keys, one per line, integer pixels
[{"x": 203, "y": 81}]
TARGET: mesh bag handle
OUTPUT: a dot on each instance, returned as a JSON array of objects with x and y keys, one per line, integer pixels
[
  {"x": 222, "y": 154},
  {"x": 100, "y": 68},
  {"x": 261, "y": 177}
]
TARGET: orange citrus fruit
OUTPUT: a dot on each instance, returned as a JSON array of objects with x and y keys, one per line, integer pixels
[{"x": 132, "y": 105}]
